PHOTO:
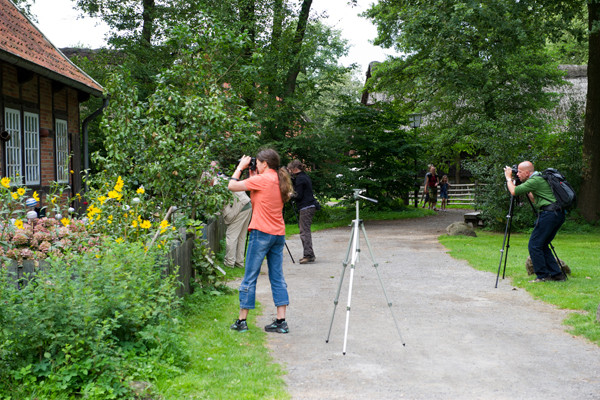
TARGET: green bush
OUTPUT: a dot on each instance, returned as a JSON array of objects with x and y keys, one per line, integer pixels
[{"x": 88, "y": 324}]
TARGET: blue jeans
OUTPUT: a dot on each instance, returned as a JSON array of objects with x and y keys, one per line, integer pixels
[
  {"x": 546, "y": 226},
  {"x": 261, "y": 245}
]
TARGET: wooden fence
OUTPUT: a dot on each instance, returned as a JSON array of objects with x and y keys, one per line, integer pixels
[
  {"x": 181, "y": 255},
  {"x": 458, "y": 194}
]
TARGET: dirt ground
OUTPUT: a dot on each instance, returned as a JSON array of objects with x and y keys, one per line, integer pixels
[{"x": 464, "y": 338}]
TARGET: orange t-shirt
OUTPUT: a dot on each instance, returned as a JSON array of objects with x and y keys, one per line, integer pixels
[{"x": 267, "y": 205}]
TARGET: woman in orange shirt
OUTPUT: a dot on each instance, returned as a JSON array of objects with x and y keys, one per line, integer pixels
[{"x": 270, "y": 188}]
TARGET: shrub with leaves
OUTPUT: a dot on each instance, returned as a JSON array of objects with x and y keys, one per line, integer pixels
[
  {"x": 88, "y": 324},
  {"x": 194, "y": 116}
]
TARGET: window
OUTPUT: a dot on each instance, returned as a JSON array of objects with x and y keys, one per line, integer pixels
[
  {"x": 23, "y": 148},
  {"x": 12, "y": 122},
  {"x": 62, "y": 151},
  {"x": 32, "y": 148}
]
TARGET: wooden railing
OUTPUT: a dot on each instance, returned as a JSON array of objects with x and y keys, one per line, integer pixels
[{"x": 458, "y": 194}]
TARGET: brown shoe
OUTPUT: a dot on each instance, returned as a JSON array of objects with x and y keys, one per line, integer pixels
[{"x": 306, "y": 260}]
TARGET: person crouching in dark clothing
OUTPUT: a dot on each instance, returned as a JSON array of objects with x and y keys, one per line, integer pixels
[{"x": 307, "y": 206}]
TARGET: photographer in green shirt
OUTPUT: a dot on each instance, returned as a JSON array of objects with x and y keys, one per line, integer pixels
[{"x": 550, "y": 219}]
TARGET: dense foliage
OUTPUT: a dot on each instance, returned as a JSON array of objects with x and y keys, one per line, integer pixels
[
  {"x": 169, "y": 141},
  {"x": 380, "y": 156},
  {"x": 89, "y": 324},
  {"x": 480, "y": 73}
]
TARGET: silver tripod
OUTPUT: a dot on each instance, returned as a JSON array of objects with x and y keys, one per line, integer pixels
[{"x": 352, "y": 257}]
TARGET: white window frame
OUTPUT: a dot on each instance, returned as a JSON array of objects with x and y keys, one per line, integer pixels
[
  {"x": 13, "y": 156},
  {"x": 62, "y": 151},
  {"x": 31, "y": 134},
  {"x": 22, "y": 151}
]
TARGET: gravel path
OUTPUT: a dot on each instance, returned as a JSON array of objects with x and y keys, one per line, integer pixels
[{"x": 464, "y": 338}]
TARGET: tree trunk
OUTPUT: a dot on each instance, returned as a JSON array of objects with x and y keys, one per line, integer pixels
[
  {"x": 248, "y": 18},
  {"x": 457, "y": 172},
  {"x": 147, "y": 21},
  {"x": 292, "y": 75},
  {"x": 277, "y": 25},
  {"x": 589, "y": 196}
]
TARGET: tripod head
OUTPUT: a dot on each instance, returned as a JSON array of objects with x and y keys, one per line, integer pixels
[{"x": 358, "y": 195}]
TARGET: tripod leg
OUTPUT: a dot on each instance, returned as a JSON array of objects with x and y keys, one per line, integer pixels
[
  {"x": 376, "y": 266},
  {"x": 557, "y": 260},
  {"x": 505, "y": 241},
  {"x": 507, "y": 248},
  {"x": 355, "y": 252},
  {"x": 337, "y": 295},
  {"x": 290, "y": 253}
]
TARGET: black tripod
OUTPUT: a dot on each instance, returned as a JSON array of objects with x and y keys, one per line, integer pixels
[{"x": 506, "y": 241}]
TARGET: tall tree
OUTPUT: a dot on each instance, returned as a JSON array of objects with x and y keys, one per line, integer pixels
[
  {"x": 589, "y": 196},
  {"x": 294, "y": 70},
  {"x": 532, "y": 20},
  {"x": 477, "y": 69}
]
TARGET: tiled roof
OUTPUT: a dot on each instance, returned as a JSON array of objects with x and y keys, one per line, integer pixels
[{"x": 22, "y": 44}]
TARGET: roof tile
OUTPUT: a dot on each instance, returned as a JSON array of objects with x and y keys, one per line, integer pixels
[{"x": 20, "y": 38}]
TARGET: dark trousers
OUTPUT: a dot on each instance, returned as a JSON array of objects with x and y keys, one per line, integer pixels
[
  {"x": 546, "y": 226},
  {"x": 305, "y": 221}
]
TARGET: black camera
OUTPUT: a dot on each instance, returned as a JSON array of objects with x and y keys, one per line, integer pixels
[
  {"x": 252, "y": 165},
  {"x": 515, "y": 170}
]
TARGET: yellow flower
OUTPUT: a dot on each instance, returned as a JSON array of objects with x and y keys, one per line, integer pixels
[
  {"x": 78, "y": 196},
  {"x": 163, "y": 226},
  {"x": 15, "y": 195},
  {"x": 6, "y": 182},
  {"x": 141, "y": 190},
  {"x": 93, "y": 210},
  {"x": 36, "y": 196},
  {"x": 102, "y": 199},
  {"x": 65, "y": 221},
  {"x": 119, "y": 185},
  {"x": 21, "y": 191},
  {"x": 110, "y": 219},
  {"x": 113, "y": 194},
  {"x": 19, "y": 224},
  {"x": 134, "y": 223},
  {"x": 97, "y": 255},
  {"x": 146, "y": 224},
  {"x": 119, "y": 240},
  {"x": 72, "y": 172},
  {"x": 53, "y": 201}
]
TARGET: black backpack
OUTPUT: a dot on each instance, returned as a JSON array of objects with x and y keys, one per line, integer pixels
[{"x": 562, "y": 190}]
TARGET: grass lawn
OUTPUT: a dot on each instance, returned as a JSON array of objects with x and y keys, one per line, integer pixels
[
  {"x": 224, "y": 364},
  {"x": 580, "y": 251}
]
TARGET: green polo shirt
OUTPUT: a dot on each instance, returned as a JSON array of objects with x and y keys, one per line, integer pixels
[{"x": 542, "y": 192}]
